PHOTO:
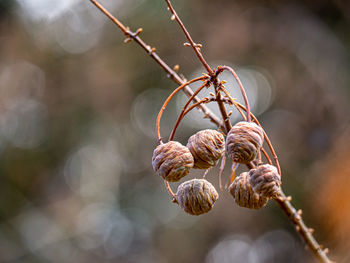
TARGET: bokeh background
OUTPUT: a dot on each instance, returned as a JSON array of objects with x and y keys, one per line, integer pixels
[{"x": 77, "y": 129}]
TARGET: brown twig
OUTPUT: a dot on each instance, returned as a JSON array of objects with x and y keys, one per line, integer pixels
[
  {"x": 205, "y": 84},
  {"x": 220, "y": 69},
  {"x": 168, "y": 100},
  {"x": 171, "y": 73},
  {"x": 189, "y": 38},
  {"x": 305, "y": 232}
]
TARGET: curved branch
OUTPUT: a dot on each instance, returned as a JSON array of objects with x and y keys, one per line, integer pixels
[
  {"x": 222, "y": 68},
  {"x": 168, "y": 100},
  {"x": 184, "y": 108}
]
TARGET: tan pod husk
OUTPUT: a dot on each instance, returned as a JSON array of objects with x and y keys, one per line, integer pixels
[
  {"x": 244, "y": 195},
  {"x": 196, "y": 196},
  {"x": 172, "y": 161},
  {"x": 266, "y": 181},
  {"x": 244, "y": 141},
  {"x": 207, "y": 147}
]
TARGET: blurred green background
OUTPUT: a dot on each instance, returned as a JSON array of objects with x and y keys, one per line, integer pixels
[{"x": 77, "y": 129}]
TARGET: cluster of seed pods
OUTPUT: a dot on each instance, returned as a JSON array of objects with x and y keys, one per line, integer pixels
[{"x": 242, "y": 145}]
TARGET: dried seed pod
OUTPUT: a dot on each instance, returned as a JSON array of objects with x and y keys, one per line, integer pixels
[
  {"x": 207, "y": 147},
  {"x": 244, "y": 195},
  {"x": 266, "y": 181},
  {"x": 244, "y": 141},
  {"x": 196, "y": 196},
  {"x": 172, "y": 161}
]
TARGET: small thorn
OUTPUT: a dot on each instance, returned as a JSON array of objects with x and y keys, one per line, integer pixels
[
  {"x": 153, "y": 49},
  {"x": 224, "y": 82},
  {"x": 206, "y": 115},
  {"x": 168, "y": 8},
  {"x": 230, "y": 113},
  {"x": 300, "y": 212},
  {"x": 172, "y": 17},
  {"x": 297, "y": 228},
  {"x": 326, "y": 250},
  {"x": 176, "y": 68},
  {"x": 211, "y": 94},
  {"x": 311, "y": 230},
  {"x": 288, "y": 198},
  {"x": 187, "y": 44},
  {"x": 127, "y": 40},
  {"x": 199, "y": 49},
  {"x": 138, "y": 31},
  {"x": 174, "y": 200}
]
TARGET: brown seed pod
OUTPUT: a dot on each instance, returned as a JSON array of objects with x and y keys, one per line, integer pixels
[
  {"x": 244, "y": 195},
  {"x": 196, "y": 196},
  {"x": 244, "y": 141},
  {"x": 265, "y": 181},
  {"x": 172, "y": 161},
  {"x": 207, "y": 147}
]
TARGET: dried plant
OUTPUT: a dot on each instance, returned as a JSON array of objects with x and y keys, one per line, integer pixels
[{"x": 243, "y": 145}]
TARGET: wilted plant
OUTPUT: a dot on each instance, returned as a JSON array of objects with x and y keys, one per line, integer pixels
[{"x": 243, "y": 145}]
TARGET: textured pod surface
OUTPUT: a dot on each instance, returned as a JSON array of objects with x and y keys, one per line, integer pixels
[
  {"x": 196, "y": 196},
  {"x": 207, "y": 147},
  {"x": 265, "y": 181},
  {"x": 172, "y": 161},
  {"x": 244, "y": 141},
  {"x": 244, "y": 195}
]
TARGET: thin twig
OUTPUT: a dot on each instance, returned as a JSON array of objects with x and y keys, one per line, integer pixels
[
  {"x": 305, "y": 232},
  {"x": 205, "y": 84},
  {"x": 189, "y": 38},
  {"x": 171, "y": 73},
  {"x": 220, "y": 69},
  {"x": 168, "y": 100}
]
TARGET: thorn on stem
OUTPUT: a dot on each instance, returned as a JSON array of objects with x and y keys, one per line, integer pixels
[
  {"x": 176, "y": 68},
  {"x": 297, "y": 228},
  {"x": 300, "y": 212},
  {"x": 229, "y": 114},
  {"x": 187, "y": 44},
  {"x": 288, "y": 198},
  {"x": 311, "y": 230},
  {"x": 138, "y": 31},
  {"x": 172, "y": 17},
  {"x": 127, "y": 40},
  {"x": 211, "y": 94},
  {"x": 326, "y": 250}
]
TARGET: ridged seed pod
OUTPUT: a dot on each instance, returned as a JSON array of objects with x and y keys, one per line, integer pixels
[
  {"x": 196, "y": 196},
  {"x": 244, "y": 141},
  {"x": 244, "y": 195},
  {"x": 172, "y": 161},
  {"x": 207, "y": 147},
  {"x": 266, "y": 181}
]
